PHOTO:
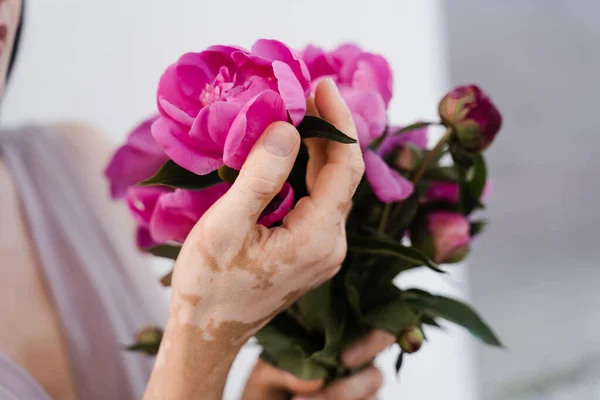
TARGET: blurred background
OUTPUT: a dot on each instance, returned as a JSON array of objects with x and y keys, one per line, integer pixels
[{"x": 534, "y": 274}]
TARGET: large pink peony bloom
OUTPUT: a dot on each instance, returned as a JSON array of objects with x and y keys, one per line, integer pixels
[
  {"x": 215, "y": 104},
  {"x": 177, "y": 212},
  {"x": 349, "y": 65},
  {"x": 365, "y": 82},
  {"x": 138, "y": 159}
]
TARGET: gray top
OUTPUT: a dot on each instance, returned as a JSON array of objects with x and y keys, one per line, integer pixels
[{"x": 98, "y": 303}]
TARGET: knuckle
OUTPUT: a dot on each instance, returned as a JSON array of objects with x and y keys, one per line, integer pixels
[
  {"x": 261, "y": 186},
  {"x": 338, "y": 254}
]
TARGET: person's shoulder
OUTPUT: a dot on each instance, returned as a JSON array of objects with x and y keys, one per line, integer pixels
[{"x": 85, "y": 139}]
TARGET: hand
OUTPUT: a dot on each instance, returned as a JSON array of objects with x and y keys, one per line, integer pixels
[
  {"x": 232, "y": 275},
  {"x": 268, "y": 382}
]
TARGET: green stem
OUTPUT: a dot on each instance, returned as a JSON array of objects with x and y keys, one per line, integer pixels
[
  {"x": 432, "y": 155},
  {"x": 429, "y": 158},
  {"x": 387, "y": 209}
]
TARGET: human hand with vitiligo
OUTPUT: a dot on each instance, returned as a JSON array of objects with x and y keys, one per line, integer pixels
[{"x": 232, "y": 275}]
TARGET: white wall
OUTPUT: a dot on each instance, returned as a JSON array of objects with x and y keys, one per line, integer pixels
[{"x": 99, "y": 61}]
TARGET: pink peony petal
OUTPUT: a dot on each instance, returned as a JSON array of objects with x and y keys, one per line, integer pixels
[
  {"x": 387, "y": 184},
  {"x": 291, "y": 91},
  {"x": 417, "y": 138},
  {"x": 141, "y": 201},
  {"x": 318, "y": 62},
  {"x": 169, "y": 110},
  {"x": 143, "y": 239},
  {"x": 279, "y": 207},
  {"x": 210, "y": 128},
  {"x": 138, "y": 159},
  {"x": 181, "y": 149},
  {"x": 274, "y": 50},
  {"x": 176, "y": 213},
  {"x": 253, "y": 119},
  {"x": 369, "y": 114},
  {"x": 345, "y": 53}
]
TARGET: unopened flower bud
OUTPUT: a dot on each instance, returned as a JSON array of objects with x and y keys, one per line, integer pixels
[
  {"x": 227, "y": 174},
  {"x": 407, "y": 158},
  {"x": 411, "y": 339},
  {"x": 147, "y": 340},
  {"x": 472, "y": 115},
  {"x": 443, "y": 236}
]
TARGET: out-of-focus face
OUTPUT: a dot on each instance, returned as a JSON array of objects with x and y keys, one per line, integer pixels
[{"x": 10, "y": 12}]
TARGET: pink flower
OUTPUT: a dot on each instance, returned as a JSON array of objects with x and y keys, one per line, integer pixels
[
  {"x": 142, "y": 203},
  {"x": 447, "y": 192},
  {"x": 138, "y": 159},
  {"x": 365, "y": 83},
  {"x": 351, "y": 66},
  {"x": 215, "y": 104},
  {"x": 177, "y": 212},
  {"x": 475, "y": 119},
  {"x": 388, "y": 184},
  {"x": 445, "y": 236}
]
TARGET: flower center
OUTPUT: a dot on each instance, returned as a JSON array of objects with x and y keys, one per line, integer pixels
[{"x": 215, "y": 91}]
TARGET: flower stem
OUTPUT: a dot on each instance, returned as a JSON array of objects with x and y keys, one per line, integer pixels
[
  {"x": 387, "y": 209},
  {"x": 432, "y": 155},
  {"x": 429, "y": 157}
]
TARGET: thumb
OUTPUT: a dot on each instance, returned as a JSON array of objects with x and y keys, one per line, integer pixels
[{"x": 263, "y": 174}]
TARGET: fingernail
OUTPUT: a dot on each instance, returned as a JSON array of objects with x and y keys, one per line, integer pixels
[{"x": 281, "y": 139}]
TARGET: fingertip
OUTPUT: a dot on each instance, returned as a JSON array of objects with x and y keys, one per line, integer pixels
[
  {"x": 280, "y": 138},
  {"x": 366, "y": 348}
]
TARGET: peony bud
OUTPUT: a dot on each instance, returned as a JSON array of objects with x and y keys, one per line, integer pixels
[
  {"x": 411, "y": 339},
  {"x": 475, "y": 119},
  {"x": 147, "y": 340},
  {"x": 443, "y": 236},
  {"x": 407, "y": 158}
]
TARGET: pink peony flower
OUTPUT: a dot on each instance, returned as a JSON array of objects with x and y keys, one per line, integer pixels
[
  {"x": 142, "y": 203},
  {"x": 365, "y": 83},
  {"x": 388, "y": 184},
  {"x": 215, "y": 104},
  {"x": 445, "y": 236},
  {"x": 474, "y": 117},
  {"x": 350, "y": 66},
  {"x": 447, "y": 192},
  {"x": 177, "y": 212},
  {"x": 138, "y": 159}
]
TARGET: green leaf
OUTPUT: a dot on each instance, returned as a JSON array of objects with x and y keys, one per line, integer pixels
[
  {"x": 405, "y": 211},
  {"x": 297, "y": 177},
  {"x": 431, "y": 322},
  {"x": 399, "y": 361},
  {"x": 172, "y": 175},
  {"x": 472, "y": 185},
  {"x": 288, "y": 346},
  {"x": 392, "y": 317},
  {"x": 413, "y": 127},
  {"x": 477, "y": 227},
  {"x": 164, "y": 251},
  {"x": 442, "y": 174},
  {"x": 454, "y": 311},
  {"x": 385, "y": 247},
  {"x": 314, "y": 127}
]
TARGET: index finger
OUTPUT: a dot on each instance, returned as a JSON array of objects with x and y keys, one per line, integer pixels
[{"x": 337, "y": 181}]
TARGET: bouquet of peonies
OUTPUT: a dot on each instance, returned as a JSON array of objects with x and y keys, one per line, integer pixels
[{"x": 413, "y": 208}]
